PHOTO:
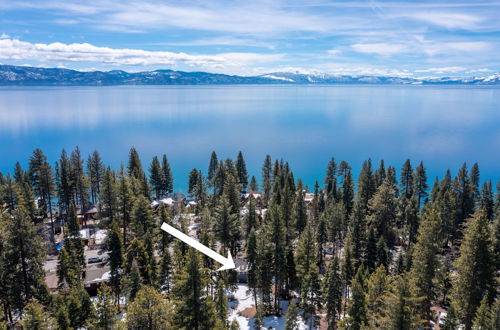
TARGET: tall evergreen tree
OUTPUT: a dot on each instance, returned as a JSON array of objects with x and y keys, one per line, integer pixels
[
  {"x": 227, "y": 227},
  {"x": 150, "y": 310},
  {"x": 474, "y": 277},
  {"x": 95, "y": 172},
  {"x": 71, "y": 265},
  {"x": 407, "y": 179},
  {"x": 267, "y": 176},
  {"x": 212, "y": 167},
  {"x": 36, "y": 317},
  {"x": 400, "y": 311},
  {"x": 242, "y": 171},
  {"x": 166, "y": 176},
  {"x": 253, "y": 186},
  {"x": 292, "y": 317},
  {"x": 155, "y": 177},
  {"x": 124, "y": 199},
  {"x": 106, "y": 309},
  {"x": 382, "y": 212},
  {"x": 80, "y": 184},
  {"x": 376, "y": 292},
  {"x": 43, "y": 183},
  {"x": 366, "y": 184},
  {"x": 356, "y": 309},
  {"x": 332, "y": 293},
  {"x": 425, "y": 263},
  {"x": 116, "y": 255},
  {"x": 23, "y": 256},
  {"x": 108, "y": 203},
  {"x": 420, "y": 183},
  {"x": 194, "y": 309}
]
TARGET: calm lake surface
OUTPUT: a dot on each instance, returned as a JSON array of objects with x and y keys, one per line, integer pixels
[{"x": 306, "y": 125}]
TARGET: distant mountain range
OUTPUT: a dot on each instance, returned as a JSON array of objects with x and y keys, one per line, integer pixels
[{"x": 11, "y": 75}]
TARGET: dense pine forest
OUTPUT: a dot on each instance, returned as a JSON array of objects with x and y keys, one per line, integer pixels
[{"x": 384, "y": 248}]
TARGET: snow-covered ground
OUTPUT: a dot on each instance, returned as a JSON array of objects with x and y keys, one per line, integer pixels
[{"x": 243, "y": 300}]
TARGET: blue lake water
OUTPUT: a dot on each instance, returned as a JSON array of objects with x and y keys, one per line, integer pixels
[{"x": 306, "y": 125}]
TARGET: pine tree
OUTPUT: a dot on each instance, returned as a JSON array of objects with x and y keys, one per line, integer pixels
[
  {"x": 331, "y": 180},
  {"x": 212, "y": 167},
  {"x": 332, "y": 293},
  {"x": 167, "y": 178},
  {"x": 251, "y": 217},
  {"x": 95, "y": 172},
  {"x": 277, "y": 263},
  {"x": 242, "y": 171},
  {"x": 407, "y": 180},
  {"x": 348, "y": 192},
  {"x": 425, "y": 263},
  {"x": 125, "y": 201},
  {"x": 79, "y": 181},
  {"x": 474, "y": 182},
  {"x": 36, "y": 317},
  {"x": 253, "y": 186},
  {"x": 108, "y": 203},
  {"x": 149, "y": 310},
  {"x": 64, "y": 182},
  {"x": 420, "y": 183},
  {"x": 292, "y": 316},
  {"x": 142, "y": 218},
  {"x": 139, "y": 255},
  {"x": 42, "y": 180},
  {"x": 166, "y": 270},
  {"x": 193, "y": 308},
  {"x": 494, "y": 320},
  {"x": 266, "y": 177},
  {"x": 23, "y": 254},
  {"x": 308, "y": 272},
  {"x": 355, "y": 239},
  {"x": 366, "y": 184},
  {"x": 136, "y": 173},
  {"x": 155, "y": 177},
  {"x": 71, "y": 266},
  {"x": 227, "y": 226},
  {"x": 252, "y": 258},
  {"x": 300, "y": 212},
  {"x": 380, "y": 174},
  {"x": 356, "y": 308},
  {"x": 475, "y": 274},
  {"x": 106, "y": 309},
  {"x": 376, "y": 291},
  {"x": 221, "y": 303},
  {"x": 486, "y": 201},
  {"x": 382, "y": 212},
  {"x": 258, "y": 322},
  {"x": 465, "y": 196},
  {"x": 78, "y": 306},
  {"x": 116, "y": 255},
  {"x": 400, "y": 310}
]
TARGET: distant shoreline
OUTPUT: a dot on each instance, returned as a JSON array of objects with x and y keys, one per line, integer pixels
[{"x": 11, "y": 75}]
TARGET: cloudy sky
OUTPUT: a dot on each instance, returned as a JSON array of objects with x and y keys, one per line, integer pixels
[{"x": 419, "y": 38}]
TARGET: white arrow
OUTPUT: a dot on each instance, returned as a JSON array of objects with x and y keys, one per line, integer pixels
[{"x": 227, "y": 263}]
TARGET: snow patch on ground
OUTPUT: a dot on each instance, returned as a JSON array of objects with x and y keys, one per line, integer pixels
[{"x": 244, "y": 299}]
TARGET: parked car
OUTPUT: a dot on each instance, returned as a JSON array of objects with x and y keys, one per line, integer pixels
[{"x": 94, "y": 260}]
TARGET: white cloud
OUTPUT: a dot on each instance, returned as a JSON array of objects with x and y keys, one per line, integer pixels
[
  {"x": 380, "y": 48},
  {"x": 448, "y": 69},
  {"x": 333, "y": 51},
  {"x": 4, "y": 36},
  {"x": 12, "y": 49},
  {"x": 448, "y": 20},
  {"x": 480, "y": 70}
]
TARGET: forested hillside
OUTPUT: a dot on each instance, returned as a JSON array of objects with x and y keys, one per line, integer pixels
[{"x": 392, "y": 249}]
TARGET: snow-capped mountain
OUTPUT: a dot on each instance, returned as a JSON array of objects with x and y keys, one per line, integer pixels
[{"x": 33, "y": 76}]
